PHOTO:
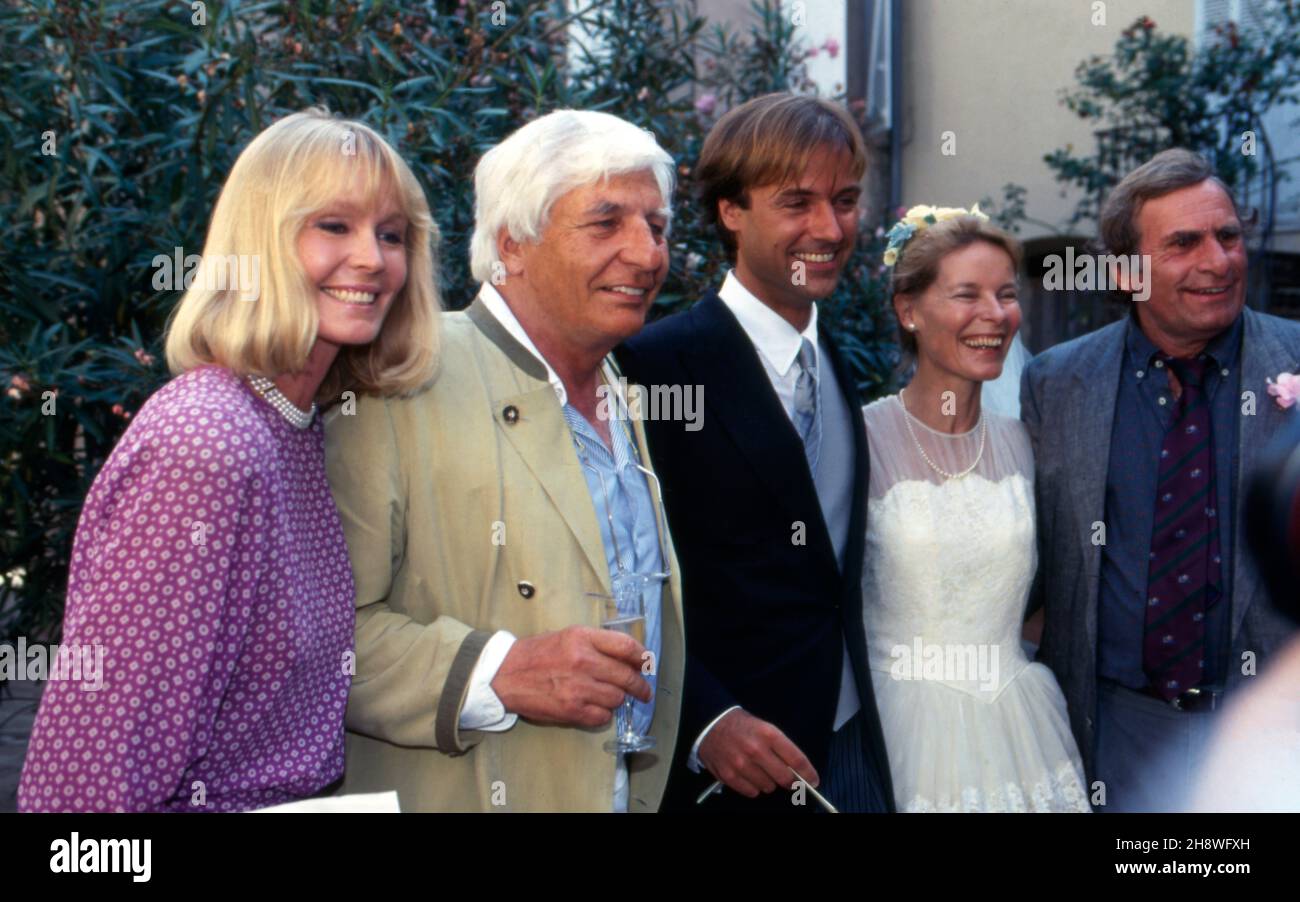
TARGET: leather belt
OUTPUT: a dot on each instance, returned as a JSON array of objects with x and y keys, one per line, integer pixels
[{"x": 1198, "y": 698}]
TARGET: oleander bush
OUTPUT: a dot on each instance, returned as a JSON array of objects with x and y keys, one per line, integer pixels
[
  {"x": 120, "y": 121},
  {"x": 1158, "y": 90}
]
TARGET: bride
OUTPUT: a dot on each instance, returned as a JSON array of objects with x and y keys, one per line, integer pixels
[{"x": 970, "y": 723}]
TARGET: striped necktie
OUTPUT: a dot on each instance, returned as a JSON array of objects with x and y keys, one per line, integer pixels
[
  {"x": 806, "y": 418},
  {"x": 1183, "y": 579}
]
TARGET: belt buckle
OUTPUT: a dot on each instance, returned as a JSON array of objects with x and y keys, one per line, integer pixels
[{"x": 1184, "y": 701}]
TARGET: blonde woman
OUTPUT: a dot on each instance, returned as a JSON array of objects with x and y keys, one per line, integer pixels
[
  {"x": 209, "y": 564},
  {"x": 970, "y": 724}
]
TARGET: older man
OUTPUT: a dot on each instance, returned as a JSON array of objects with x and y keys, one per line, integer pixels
[
  {"x": 1145, "y": 433},
  {"x": 493, "y": 518}
]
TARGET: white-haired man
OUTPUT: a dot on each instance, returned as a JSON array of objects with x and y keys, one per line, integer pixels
[{"x": 493, "y": 518}]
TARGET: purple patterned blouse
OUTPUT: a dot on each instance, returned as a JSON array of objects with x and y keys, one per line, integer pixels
[{"x": 210, "y": 567}]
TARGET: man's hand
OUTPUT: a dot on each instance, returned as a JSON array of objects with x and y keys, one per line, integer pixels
[
  {"x": 576, "y": 676},
  {"x": 752, "y": 756}
]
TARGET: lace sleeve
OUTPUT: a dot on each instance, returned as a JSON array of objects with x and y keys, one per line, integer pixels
[{"x": 1019, "y": 451}]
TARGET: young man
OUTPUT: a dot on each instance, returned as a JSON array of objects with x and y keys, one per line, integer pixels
[{"x": 766, "y": 500}]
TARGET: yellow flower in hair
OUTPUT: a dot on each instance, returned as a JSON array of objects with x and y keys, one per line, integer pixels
[
  {"x": 918, "y": 218},
  {"x": 943, "y": 214},
  {"x": 919, "y": 215}
]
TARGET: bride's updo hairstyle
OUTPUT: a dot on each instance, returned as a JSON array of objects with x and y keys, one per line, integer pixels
[{"x": 916, "y": 264}]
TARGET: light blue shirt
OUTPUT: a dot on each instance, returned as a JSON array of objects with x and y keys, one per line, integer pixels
[{"x": 631, "y": 535}]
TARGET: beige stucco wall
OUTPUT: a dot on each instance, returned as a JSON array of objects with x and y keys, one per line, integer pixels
[{"x": 991, "y": 71}]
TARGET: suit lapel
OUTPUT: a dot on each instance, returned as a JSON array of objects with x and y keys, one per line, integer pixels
[
  {"x": 1262, "y": 357},
  {"x": 740, "y": 398},
  {"x": 1091, "y": 415},
  {"x": 533, "y": 423}
]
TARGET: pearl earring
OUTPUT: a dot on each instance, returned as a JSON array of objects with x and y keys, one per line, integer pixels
[{"x": 912, "y": 326}]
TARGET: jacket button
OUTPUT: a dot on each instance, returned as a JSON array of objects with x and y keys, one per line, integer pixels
[
  {"x": 510, "y": 414},
  {"x": 526, "y": 589}
]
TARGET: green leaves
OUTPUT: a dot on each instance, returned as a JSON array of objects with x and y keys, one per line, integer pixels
[
  {"x": 149, "y": 112},
  {"x": 1157, "y": 91}
]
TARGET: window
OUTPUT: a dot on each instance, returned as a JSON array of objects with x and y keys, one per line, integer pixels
[
  {"x": 1248, "y": 14},
  {"x": 1277, "y": 123},
  {"x": 875, "y": 26}
]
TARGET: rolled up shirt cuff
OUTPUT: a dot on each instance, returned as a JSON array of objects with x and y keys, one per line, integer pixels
[
  {"x": 693, "y": 762},
  {"x": 482, "y": 709}
]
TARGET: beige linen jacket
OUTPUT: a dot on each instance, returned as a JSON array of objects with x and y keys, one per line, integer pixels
[{"x": 466, "y": 512}]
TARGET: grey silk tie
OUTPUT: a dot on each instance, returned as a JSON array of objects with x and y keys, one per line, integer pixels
[{"x": 806, "y": 415}]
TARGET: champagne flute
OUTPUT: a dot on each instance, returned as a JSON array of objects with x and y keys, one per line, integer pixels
[{"x": 625, "y": 613}]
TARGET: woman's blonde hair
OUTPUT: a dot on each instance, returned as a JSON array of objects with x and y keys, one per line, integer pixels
[
  {"x": 918, "y": 263},
  {"x": 292, "y": 170}
]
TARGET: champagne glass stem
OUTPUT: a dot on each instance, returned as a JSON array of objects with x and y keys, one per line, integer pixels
[{"x": 628, "y": 729}]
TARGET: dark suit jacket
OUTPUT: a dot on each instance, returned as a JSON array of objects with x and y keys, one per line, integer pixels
[
  {"x": 1067, "y": 400},
  {"x": 766, "y": 618}
]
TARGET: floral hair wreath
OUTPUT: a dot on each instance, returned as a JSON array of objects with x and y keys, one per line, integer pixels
[{"x": 918, "y": 218}]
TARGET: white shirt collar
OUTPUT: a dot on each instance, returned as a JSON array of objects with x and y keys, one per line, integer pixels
[
  {"x": 497, "y": 306},
  {"x": 774, "y": 338}
]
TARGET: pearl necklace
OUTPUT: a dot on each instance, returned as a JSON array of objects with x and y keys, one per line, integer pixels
[
  {"x": 907, "y": 420},
  {"x": 296, "y": 416}
]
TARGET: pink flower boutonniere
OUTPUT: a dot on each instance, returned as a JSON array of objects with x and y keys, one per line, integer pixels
[{"x": 1286, "y": 389}]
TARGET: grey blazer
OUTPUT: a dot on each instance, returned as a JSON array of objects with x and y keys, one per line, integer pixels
[{"x": 1067, "y": 400}]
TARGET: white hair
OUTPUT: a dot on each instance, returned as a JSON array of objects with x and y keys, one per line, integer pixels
[{"x": 517, "y": 182}]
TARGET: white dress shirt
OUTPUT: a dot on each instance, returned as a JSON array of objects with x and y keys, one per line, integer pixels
[
  {"x": 777, "y": 344},
  {"x": 775, "y": 339}
]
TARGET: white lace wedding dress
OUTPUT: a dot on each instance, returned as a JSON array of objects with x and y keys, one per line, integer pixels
[{"x": 970, "y": 723}]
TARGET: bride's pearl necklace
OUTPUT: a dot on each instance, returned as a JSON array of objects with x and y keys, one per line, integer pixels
[
  {"x": 296, "y": 416},
  {"x": 907, "y": 420}
]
